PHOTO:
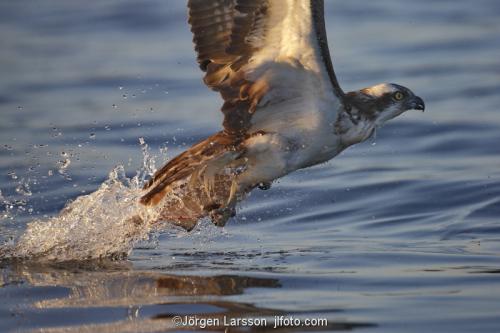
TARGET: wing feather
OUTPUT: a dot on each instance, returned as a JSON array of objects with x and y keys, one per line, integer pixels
[
  {"x": 238, "y": 41},
  {"x": 256, "y": 53},
  {"x": 186, "y": 164}
]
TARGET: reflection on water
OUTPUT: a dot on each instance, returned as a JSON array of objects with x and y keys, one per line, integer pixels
[
  {"x": 149, "y": 301},
  {"x": 401, "y": 232}
]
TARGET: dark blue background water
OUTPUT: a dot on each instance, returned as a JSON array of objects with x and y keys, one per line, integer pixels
[{"x": 397, "y": 234}]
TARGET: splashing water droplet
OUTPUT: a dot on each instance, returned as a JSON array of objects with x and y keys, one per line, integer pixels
[
  {"x": 12, "y": 175},
  {"x": 63, "y": 167},
  {"x": 24, "y": 188},
  {"x": 163, "y": 149},
  {"x": 106, "y": 223},
  {"x": 55, "y": 132},
  {"x": 64, "y": 164},
  {"x": 148, "y": 165}
]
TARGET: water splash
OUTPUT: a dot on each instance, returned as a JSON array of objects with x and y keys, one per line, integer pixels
[
  {"x": 104, "y": 224},
  {"x": 11, "y": 207},
  {"x": 23, "y": 188},
  {"x": 149, "y": 161}
]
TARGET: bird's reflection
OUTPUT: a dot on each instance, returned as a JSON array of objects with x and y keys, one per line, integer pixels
[
  {"x": 116, "y": 284},
  {"x": 151, "y": 299}
]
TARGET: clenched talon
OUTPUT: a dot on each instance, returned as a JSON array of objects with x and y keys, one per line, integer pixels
[{"x": 220, "y": 216}]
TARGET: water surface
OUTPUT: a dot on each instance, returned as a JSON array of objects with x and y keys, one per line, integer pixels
[{"x": 399, "y": 234}]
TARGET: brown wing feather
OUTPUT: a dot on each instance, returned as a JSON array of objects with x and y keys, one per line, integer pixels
[
  {"x": 186, "y": 163},
  {"x": 226, "y": 34}
]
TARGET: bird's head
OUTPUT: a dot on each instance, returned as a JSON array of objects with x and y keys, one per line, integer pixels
[{"x": 384, "y": 102}]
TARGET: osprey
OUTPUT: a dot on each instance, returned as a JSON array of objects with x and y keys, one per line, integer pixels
[{"x": 283, "y": 107}]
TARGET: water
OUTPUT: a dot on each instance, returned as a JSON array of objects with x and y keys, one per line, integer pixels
[{"x": 398, "y": 234}]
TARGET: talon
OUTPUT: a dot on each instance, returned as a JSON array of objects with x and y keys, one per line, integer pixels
[
  {"x": 220, "y": 216},
  {"x": 264, "y": 186},
  {"x": 232, "y": 192}
]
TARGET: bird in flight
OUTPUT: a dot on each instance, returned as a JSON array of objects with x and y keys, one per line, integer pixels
[{"x": 283, "y": 107}]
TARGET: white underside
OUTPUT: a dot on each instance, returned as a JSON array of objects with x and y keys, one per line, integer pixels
[{"x": 301, "y": 108}]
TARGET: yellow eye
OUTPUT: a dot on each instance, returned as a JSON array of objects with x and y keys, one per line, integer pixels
[{"x": 399, "y": 96}]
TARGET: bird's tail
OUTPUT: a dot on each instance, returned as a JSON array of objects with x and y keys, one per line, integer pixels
[{"x": 196, "y": 183}]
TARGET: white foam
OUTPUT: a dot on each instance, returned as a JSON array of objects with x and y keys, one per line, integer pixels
[{"x": 104, "y": 224}]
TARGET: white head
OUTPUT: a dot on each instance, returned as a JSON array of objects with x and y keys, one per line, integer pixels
[
  {"x": 383, "y": 102},
  {"x": 370, "y": 108}
]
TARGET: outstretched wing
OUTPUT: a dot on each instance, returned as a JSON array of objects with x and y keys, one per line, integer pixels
[
  {"x": 269, "y": 60},
  {"x": 256, "y": 52}
]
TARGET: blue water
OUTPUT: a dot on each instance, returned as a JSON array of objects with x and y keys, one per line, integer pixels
[{"x": 399, "y": 234}]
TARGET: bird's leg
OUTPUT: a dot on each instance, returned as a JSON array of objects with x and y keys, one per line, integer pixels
[
  {"x": 354, "y": 119},
  {"x": 221, "y": 214},
  {"x": 233, "y": 192}
]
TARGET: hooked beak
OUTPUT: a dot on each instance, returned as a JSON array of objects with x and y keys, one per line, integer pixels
[{"x": 417, "y": 103}]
